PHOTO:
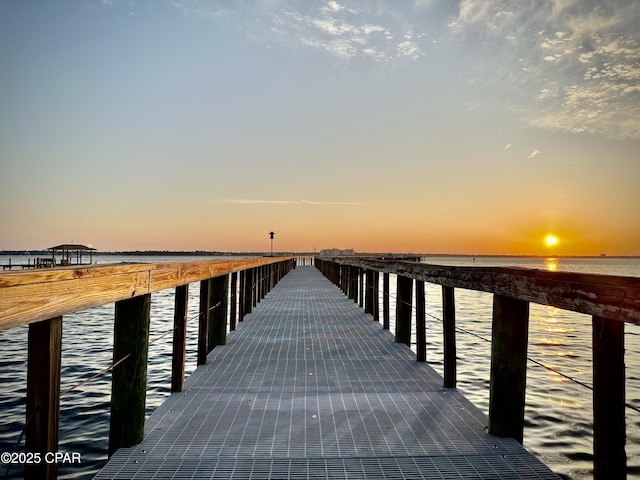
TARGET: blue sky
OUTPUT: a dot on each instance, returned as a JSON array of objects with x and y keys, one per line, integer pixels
[{"x": 432, "y": 126}]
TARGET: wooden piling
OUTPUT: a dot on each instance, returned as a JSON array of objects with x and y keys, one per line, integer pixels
[
  {"x": 43, "y": 395},
  {"x": 376, "y": 296},
  {"x": 404, "y": 294},
  {"x": 368, "y": 302},
  {"x": 218, "y": 303},
  {"x": 421, "y": 334},
  {"x": 179, "y": 338},
  {"x": 508, "y": 367},
  {"x": 449, "y": 334},
  {"x": 233, "y": 301},
  {"x": 609, "y": 436},
  {"x": 385, "y": 301},
  {"x": 203, "y": 321},
  {"x": 361, "y": 282},
  {"x": 129, "y": 378}
]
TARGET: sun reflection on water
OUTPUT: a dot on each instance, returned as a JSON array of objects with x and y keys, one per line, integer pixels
[{"x": 551, "y": 264}]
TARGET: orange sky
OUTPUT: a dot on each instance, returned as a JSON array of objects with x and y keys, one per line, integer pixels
[{"x": 422, "y": 126}]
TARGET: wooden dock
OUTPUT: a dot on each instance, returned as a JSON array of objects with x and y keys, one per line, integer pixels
[{"x": 309, "y": 386}]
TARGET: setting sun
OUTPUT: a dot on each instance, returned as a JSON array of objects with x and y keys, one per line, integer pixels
[{"x": 551, "y": 240}]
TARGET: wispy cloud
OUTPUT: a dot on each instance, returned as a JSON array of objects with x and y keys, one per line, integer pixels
[
  {"x": 507, "y": 147},
  {"x": 245, "y": 201},
  {"x": 346, "y": 29},
  {"x": 534, "y": 154},
  {"x": 578, "y": 61}
]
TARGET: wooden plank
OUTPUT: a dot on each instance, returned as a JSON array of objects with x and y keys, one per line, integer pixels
[
  {"x": 605, "y": 296},
  {"x": 129, "y": 378},
  {"x": 610, "y": 459},
  {"x": 40, "y": 294},
  {"x": 509, "y": 338},
  {"x": 43, "y": 395}
]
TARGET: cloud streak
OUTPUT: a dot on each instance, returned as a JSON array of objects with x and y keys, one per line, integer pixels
[{"x": 245, "y": 201}]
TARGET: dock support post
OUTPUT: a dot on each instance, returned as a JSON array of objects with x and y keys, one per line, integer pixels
[
  {"x": 353, "y": 283},
  {"x": 361, "y": 281},
  {"x": 449, "y": 333},
  {"x": 203, "y": 321},
  {"x": 179, "y": 338},
  {"x": 385, "y": 301},
  {"x": 255, "y": 285},
  {"x": 421, "y": 334},
  {"x": 609, "y": 436},
  {"x": 508, "y": 367},
  {"x": 43, "y": 394},
  {"x": 234, "y": 301},
  {"x": 218, "y": 301},
  {"x": 404, "y": 294},
  {"x": 376, "y": 296},
  {"x": 368, "y": 302},
  {"x": 129, "y": 378}
]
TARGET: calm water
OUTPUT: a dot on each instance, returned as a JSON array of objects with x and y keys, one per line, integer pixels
[{"x": 558, "y": 413}]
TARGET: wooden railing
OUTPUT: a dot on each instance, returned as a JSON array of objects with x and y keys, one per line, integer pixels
[
  {"x": 610, "y": 300},
  {"x": 40, "y": 299}
]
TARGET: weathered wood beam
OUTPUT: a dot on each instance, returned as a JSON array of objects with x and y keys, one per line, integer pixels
[
  {"x": 509, "y": 338},
  {"x": 404, "y": 295},
  {"x": 179, "y": 338},
  {"x": 421, "y": 325},
  {"x": 40, "y": 294},
  {"x": 203, "y": 321},
  {"x": 129, "y": 378},
  {"x": 43, "y": 395},
  {"x": 609, "y": 435},
  {"x": 449, "y": 334},
  {"x": 607, "y": 296}
]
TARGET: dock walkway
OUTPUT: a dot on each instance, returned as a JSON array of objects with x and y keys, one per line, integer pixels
[{"x": 309, "y": 386}]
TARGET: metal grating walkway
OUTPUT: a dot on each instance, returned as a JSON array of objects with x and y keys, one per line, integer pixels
[{"x": 310, "y": 387}]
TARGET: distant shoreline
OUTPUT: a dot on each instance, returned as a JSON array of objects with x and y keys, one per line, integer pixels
[{"x": 204, "y": 253}]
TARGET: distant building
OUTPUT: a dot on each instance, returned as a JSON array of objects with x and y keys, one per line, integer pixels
[{"x": 336, "y": 252}]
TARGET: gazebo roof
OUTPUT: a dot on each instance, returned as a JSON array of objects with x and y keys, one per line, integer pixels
[{"x": 71, "y": 246}]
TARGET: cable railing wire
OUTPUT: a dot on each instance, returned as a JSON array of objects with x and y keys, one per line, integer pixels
[
  {"x": 114, "y": 365},
  {"x": 535, "y": 362}
]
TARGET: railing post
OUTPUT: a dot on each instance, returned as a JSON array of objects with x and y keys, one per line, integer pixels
[
  {"x": 218, "y": 302},
  {"x": 404, "y": 294},
  {"x": 255, "y": 284},
  {"x": 242, "y": 299},
  {"x": 421, "y": 334},
  {"x": 233, "y": 301},
  {"x": 353, "y": 283},
  {"x": 376, "y": 296},
  {"x": 508, "y": 367},
  {"x": 203, "y": 321},
  {"x": 43, "y": 394},
  {"x": 385, "y": 301},
  {"x": 361, "y": 287},
  {"x": 609, "y": 436},
  {"x": 368, "y": 303},
  {"x": 179, "y": 338},
  {"x": 129, "y": 378},
  {"x": 449, "y": 334}
]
